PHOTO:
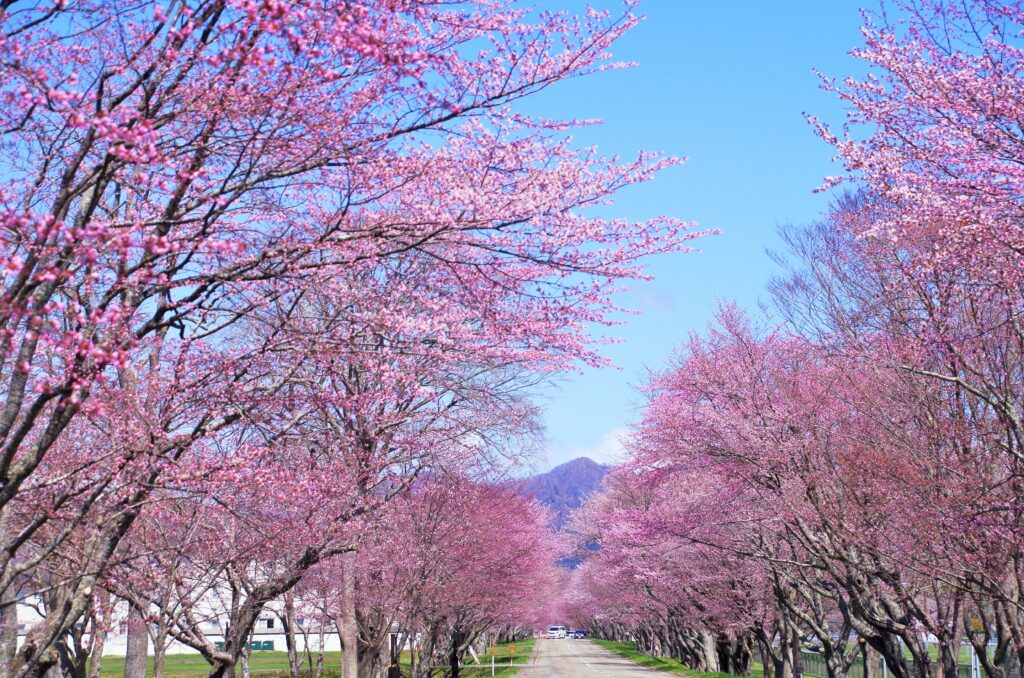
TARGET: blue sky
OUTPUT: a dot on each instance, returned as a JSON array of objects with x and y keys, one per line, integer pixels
[{"x": 724, "y": 84}]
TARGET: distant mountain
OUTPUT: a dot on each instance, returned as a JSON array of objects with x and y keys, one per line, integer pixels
[{"x": 564, "y": 488}]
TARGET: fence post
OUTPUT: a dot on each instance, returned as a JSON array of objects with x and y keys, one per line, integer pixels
[{"x": 885, "y": 669}]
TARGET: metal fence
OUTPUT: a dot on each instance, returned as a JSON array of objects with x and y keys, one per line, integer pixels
[{"x": 814, "y": 666}]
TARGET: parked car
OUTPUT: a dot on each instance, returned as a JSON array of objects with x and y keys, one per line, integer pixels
[{"x": 556, "y": 632}]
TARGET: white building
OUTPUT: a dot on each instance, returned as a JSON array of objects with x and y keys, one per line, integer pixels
[{"x": 268, "y": 635}]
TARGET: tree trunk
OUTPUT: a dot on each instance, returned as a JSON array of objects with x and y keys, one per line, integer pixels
[
  {"x": 245, "y": 659},
  {"x": 99, "y": 642},
  {"x": 74, "y": 657},
  {"x": 369, "y": 664},
  {"x": 872, "y": 666},
  {"x": 349, "y": 629},
  {"x": 289, "y": 634},
  {"x": 922, "y": 661},
  {"x": 784, "y": 667},
  {"x": 137, "y": 652},
  {"x": 710, "y": 651},
  {"x": 798, "y": 653},
  {"x": 8, "y": 636},
  {"x": 319, "y": 651},
  {"x": 425, "y": 656},
  {"x": 765, "y": 652},
  {"x": 949, "y": 656},
  {"x": 453, "y": 657},
  {"x": 734, "y": 655},
  {"x": 159, "y": 654},
  {"x": 889, "y": 647},
  {"x": 307, "y": 649}
]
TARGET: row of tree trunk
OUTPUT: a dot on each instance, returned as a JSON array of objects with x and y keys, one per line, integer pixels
[
  {"x": 781, "y": 652},
  {"x": 700, "y": 650},
  {"x": 365, "y": 641}
]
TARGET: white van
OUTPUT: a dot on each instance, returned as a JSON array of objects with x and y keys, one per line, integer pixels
[{"x": 556, "y": 632}]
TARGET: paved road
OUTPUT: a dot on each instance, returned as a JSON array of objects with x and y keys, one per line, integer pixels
[{"x": 581, "y": 659}]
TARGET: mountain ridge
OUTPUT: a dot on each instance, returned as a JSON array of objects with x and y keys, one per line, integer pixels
[{"x": 565, "y": 487}]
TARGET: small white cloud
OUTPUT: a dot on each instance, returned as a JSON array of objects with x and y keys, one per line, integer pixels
[{"x": 650, "y": 299}]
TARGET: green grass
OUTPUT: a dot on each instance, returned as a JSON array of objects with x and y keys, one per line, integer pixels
[
  {"x": 275, "y": 664},
  {"x": 933, "y": 653},
  {"x": 627, "y": 650},
  {"x": 261, "y": 664},
  {"x": 502, "y": 658}
]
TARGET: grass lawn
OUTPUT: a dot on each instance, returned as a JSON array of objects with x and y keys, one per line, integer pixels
[
  {"x": 275, "y": 664},
  {"x": 502, "y": 659},
  {"x": 261, "y": 664},
  {"x": 628, "y": 650}
]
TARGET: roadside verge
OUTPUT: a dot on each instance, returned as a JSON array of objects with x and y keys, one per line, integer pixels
[{"x": 627, "y": 650}]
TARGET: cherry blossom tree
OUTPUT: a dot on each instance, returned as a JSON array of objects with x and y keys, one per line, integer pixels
[
  {"x": 876, "y": 501},
  {"x": 479, "y": 558},
  {"x": 660, "y": 559},
  {"x": 871, "y": 438},
  {"x": 181, "y": 176},
  {"x": 933, "y": 130},
  {"x": 935, "y": 326}
]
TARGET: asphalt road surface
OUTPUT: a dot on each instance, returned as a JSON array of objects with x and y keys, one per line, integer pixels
[{"x": 581, "y": 659}]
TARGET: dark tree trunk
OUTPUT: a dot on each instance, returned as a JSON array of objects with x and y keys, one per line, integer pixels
[
  {"x": 764, "y": 649},
  {"x": 891, "y": 650},
  {"x": 453, "y": 657}
]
